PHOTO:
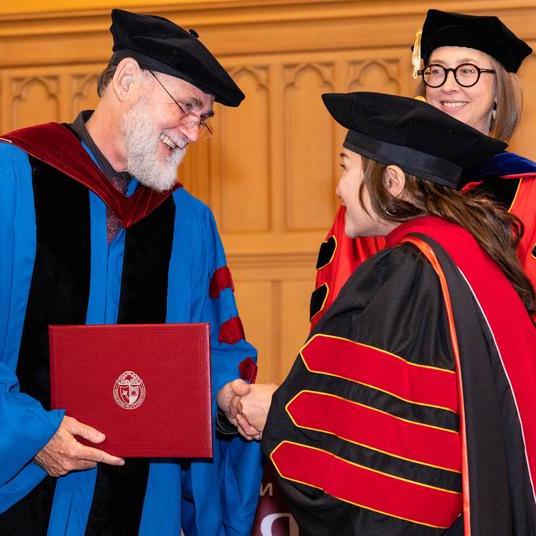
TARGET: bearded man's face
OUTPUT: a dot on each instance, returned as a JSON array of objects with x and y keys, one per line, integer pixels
[{"x": 159, "y": 126}]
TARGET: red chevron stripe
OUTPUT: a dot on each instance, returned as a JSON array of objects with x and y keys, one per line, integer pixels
[
  {"x": 248, "y": 370},
  {"x": 376, "y": 429},
  {"x": 366, "y": 488},
  {"x": 231, "y": 331},
  {"x": 221, "y": 280},
  {"x": 382, "y": 370}
]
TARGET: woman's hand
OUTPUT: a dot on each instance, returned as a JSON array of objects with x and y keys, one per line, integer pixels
[{"x": 252, "y": 409}]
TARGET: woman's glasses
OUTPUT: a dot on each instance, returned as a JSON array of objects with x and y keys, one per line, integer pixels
[{"x": 466, "y": 74}]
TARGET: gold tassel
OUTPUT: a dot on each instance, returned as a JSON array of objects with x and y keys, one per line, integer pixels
[{"x": 416, "y": 59}]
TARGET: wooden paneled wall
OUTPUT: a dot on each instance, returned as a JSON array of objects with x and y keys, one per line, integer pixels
[{"x": 270, "y": 171}]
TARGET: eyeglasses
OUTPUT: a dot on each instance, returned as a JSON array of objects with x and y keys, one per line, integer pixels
[
  {"x": 204, "y": 129},
  {"x": 466, "y": 74}
]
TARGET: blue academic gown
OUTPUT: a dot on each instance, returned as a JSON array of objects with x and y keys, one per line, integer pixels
[{"x": 211, "y": 498}]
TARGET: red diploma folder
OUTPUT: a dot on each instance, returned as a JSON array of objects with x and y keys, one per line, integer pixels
[{"x": 146, "y": 386}]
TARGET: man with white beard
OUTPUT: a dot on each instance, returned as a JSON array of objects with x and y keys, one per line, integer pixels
[{"x": 95, "y": 228}]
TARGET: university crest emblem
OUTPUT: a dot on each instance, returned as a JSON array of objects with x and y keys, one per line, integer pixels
[{"x": 129, "y": 390}]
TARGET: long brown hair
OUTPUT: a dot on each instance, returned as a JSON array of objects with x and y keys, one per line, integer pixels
[
  {"x": 497, "y": 231},
  {"x": 508, "y": 102}
]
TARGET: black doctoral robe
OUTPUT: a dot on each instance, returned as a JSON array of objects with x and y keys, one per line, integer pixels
[{"x": 409, "y": 409}]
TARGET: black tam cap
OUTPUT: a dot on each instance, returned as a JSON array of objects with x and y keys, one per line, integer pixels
[
  {"x": 160, "y": 45},
  {"x": 411, "y": 134},
  {"x": 487, "y": 34}
]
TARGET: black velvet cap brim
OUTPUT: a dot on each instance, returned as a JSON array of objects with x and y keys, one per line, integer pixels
[
  {"x": 410, "y": 160},
  {"x": 411, "y": 134}
]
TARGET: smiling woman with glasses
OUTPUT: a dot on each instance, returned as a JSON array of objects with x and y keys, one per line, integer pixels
[
  {"x": 468, "y": 68},
  {"x": 472, "y": 47},
  {"x": 468, "y": 65}
]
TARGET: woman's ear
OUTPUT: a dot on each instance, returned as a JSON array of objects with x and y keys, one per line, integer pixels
[{"x": 394, "y": 179}]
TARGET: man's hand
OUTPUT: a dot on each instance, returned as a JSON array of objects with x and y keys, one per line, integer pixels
[
  {"x": 63, "y": 453},
  {"x": 228, "y": 397}
]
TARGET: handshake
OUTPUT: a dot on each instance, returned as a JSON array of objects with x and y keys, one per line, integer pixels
[{"x": 246, "y": 406}]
